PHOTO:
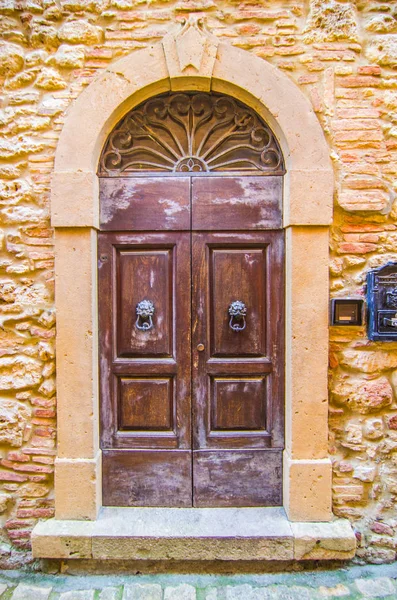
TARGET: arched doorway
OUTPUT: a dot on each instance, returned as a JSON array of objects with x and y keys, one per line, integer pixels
[
  {"x": 191, "y": 305},
  {"x": 191, "y": 59},
  {"x": 307, "y": 202}
]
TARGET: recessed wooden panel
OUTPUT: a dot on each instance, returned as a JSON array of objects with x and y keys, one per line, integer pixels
[
  {"x": 144, "y": 275},
  {"x": 237, "y": 478},
  {"x": 238, "y": 403},
  {"x": 144, "y": 204},
  {"x": 147, "y": 478},
  {"x": 238, "y": 274},
  {"x": 145, "y": 404},
  {"x": 235, "y": 203}
]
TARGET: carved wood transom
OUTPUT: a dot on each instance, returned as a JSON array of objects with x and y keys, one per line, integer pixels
[{"x": 191, "y": 132}]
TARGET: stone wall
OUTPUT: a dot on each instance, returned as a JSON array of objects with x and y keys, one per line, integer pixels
[{"x": 343, "y": 55}]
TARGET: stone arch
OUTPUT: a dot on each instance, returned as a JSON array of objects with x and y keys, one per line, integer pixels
[
  {"x": 157, "y": 69},
  {"x": 192, "y": 59}
]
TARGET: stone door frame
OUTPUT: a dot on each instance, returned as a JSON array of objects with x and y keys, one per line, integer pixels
[{"x": 190, "y": 58}]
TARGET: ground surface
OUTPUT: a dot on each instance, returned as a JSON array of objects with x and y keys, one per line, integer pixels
[{"x": 348, "y": 584}]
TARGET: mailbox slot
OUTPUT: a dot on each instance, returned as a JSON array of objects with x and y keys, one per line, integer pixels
[{"x": 346, "y": 311}]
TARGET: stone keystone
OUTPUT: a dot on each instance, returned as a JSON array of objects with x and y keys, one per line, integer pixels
[{"x": 190, "y": 50}]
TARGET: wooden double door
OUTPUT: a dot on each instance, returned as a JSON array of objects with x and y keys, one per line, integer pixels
[{"x": 191, "y": 305}]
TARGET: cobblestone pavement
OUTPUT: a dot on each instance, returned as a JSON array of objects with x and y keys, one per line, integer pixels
[{"x": 348, "y": 584}]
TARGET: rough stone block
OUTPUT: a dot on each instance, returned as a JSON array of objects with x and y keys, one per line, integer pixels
[
  {"x": 364, "y": 396},
  {"x": 11, "y": 58},
  {"x": 330, "y": 21},
  {"x": 383, "y": 50},
  {"x": 80, "y": 32},
  {"x": 14, "y": 417},
  {"x": 19, "y": 372}
]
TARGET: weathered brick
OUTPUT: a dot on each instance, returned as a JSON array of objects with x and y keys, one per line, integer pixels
[
  {"x": 10, "y": 476},
  {"x": 360, "y": 81},
  {"x": 369, "y": 70},
  {"x": 36, "y": 513},
  {"x": 356, "y": 248}
]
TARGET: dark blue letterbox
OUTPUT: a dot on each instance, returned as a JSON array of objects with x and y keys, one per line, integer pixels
[{"x": 382, "y": 303}]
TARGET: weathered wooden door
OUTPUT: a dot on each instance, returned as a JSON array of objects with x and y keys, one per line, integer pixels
[
  {"x": 191, "y": 274},
  {"x": 145, "y": 362}
]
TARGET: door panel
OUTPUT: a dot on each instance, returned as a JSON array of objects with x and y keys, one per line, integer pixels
[
  {"x": 145, "y": 373},
  {"x": 144, "y": 274},
  {"x": 237, "y": 375},
  {"x": 238, "y": 478},
  {"x": 237, "y": 274},
  {"x": 147, "y": 478},
  {"x": 238, "y": 403},
  {"x": 144, "y": 203},
  {"x": 236, "y": 203},
  {"x": 146, "y": 403}
]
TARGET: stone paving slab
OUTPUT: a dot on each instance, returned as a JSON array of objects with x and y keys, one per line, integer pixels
[
  {"x": 146, "y": 591},
  {"x": 376, "y": 588},
  {"x": 355, "y": 583},
  {"x": 27, "y": 592},
  {"x": 78, "y": 595},
  {"x": 110, "y": 593},
  {"x": 181, "y": 592}
]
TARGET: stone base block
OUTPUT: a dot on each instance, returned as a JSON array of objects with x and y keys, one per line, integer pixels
[
  {"x": 307, "y": 489},
  {"x": 77, "y": 488},
  {"x": 224, "y": 534},
  {"x": 323, "y": 541}
]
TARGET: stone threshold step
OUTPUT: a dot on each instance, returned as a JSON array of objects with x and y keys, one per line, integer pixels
[{"x": 187, "y": 534}]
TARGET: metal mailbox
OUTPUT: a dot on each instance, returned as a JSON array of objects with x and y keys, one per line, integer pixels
[{"x": 382, "y": 303}]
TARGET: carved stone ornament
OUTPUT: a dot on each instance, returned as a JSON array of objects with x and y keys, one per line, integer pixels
[
  {"x": 191, "y": 132},
  {"x": 190, "y": 49}
]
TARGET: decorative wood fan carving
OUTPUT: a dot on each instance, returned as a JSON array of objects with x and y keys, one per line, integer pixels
[{"x": 191, "y": 133}]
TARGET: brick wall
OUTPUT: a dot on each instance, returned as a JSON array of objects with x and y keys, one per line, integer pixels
[{"x": 343, "y": 56}]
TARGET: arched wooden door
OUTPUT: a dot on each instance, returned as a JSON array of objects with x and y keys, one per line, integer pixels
[{"x": 191, "y": 306}]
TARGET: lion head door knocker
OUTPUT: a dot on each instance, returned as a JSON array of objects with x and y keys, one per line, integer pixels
[
  {"x": 237, "y": 312},
  {"x": 144, "y": 312}
]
